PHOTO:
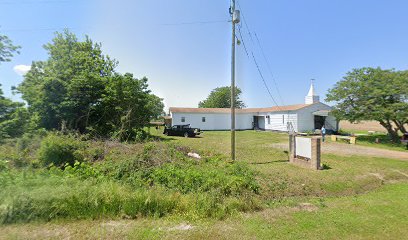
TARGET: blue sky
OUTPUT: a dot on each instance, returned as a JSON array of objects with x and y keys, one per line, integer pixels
[{"x": 301, "y": 40}]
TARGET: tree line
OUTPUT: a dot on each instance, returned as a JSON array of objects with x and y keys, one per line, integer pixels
[
  {"x": 78, "y": 89},
  {"x": 373, "y": 94}
]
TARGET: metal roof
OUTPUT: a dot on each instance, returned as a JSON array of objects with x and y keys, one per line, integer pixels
[
  {"x": 244, "y": 110},
  {"x": 323, "y": 113}
]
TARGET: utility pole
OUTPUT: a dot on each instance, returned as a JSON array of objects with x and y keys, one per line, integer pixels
[{"x": 235, "y": 18}]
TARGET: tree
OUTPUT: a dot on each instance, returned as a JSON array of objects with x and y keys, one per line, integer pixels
[
  {"x": 221, "y": 98},
  {"x": 77, "y": 88},
  {"x": 7, "y": 49},
  {"x": 65, "y": 89},
  {"x": 13, "y": 117},
  {"x": 373, "y": 94},
  {"x": 125, "y": 107},
  {"x": 156, "y": 107}
]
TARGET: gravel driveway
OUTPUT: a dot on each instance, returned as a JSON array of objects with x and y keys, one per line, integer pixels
[{"x": 350, "y": 150}]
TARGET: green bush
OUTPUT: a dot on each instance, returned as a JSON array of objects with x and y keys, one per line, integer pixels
[
  {"x": 71, "y": 198},
  {"x": 60, "y": 150},
  {"x": 224, "y": 178},
  {"x": 157, "y": 181},
  {"x": 4, "y": 166},
  {"x": 44, "y": 195}
]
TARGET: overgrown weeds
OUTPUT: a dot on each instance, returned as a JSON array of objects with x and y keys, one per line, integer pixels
[{"x": 152, "y": 179}]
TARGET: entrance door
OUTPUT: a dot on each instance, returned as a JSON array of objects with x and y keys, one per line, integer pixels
[
  {"x": 255, "y": 123},
  {"x": 319, "y": 121},
  {"x": 259, "y": 122}
]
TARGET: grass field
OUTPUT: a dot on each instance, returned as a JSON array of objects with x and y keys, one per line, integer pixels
[
  {"x": 357, "y": 197},
  {"x": 380, "y": 214},
  {"x": 369, "y": 140}
]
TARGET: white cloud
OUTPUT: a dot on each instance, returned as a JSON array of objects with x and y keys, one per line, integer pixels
[{"x": 22, "y": 69}]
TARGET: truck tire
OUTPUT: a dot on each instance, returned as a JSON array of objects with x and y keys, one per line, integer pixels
[{"x": 186, "y": 134}]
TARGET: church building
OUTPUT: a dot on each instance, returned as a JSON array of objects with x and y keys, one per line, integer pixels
[{"x": 310, "y": 115}]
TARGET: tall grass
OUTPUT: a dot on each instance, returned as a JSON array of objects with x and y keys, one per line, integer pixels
[{"x": 158, "y": 181}]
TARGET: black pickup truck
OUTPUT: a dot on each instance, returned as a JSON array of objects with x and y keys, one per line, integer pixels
[{"x": 181, "y": 130}]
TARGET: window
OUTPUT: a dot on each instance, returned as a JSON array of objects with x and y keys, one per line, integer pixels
[
  {"x": 183, "y": 119},
  {"x": 269, "y": 119},
  {"x": 203, "y": 119},
  {"x": 283, "y": 119}
]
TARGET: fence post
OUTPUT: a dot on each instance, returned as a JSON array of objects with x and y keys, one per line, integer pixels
[
  {"x": 316, "y": 147},
  {"x": 292, "y": 147}
]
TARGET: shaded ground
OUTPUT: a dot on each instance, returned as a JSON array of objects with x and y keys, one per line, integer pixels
[{"x": 342, "y": 149}]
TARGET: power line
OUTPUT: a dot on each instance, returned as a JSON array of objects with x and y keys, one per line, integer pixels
[
  {"x": 62, "y": 28},
  {"x": 194, "y": 23},
  {"x": 269, "y": 68},
  {"x": 260, "y": 72},
  {"x": 243, "y": 43},
  {"x": 33, "y": 2},
  {"x": 263, "y": 54},
  {"x": 37, "y": 29},
  {"x": 263, "y": 80}
]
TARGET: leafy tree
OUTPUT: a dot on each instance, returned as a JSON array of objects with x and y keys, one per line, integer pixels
[
  {"x": 125, "y": 107},
  {"x": 373, "y": 94},
  {"x": 221, "y": 98},
  {"x": 156, "y": 107},
  {"x": 13, "y": 117},
  {"x": 7, "y": 49},
  {"x": 77, "y": 88},
  {"x": 66, "y": 88}
]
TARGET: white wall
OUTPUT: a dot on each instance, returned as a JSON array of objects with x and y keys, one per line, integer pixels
[
  {"x": 213, "y": 121},
  {"x": 279, "y": 121},
  {"x": 302, "y": 119},
  {"x": 306, "y": 118}
]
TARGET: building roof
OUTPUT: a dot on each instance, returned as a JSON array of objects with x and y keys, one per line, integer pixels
[
  {"x": 323, "y": 113},
  {"x": 244, "y": 110}
]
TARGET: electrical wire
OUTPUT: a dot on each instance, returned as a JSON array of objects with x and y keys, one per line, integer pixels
[
  {"x": 269, "y": 68},
  {"x": 243, "y": 43},
  {"x": 254, "y": 58},
  {"x": 33, "y": 2},
  {"x": 194, "y": 23}
]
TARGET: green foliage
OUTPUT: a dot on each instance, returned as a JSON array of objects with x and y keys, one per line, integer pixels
[
  {"x": 7, "y": 49},
  {"x": 4, "y": 166},
  {"x": 214, "y": 176},
  {"x": 125, "y": 108},
  {"x": 165, "y": 166},
  {"x": 373, "y": 94},
  {"x": 77, "y": 88},
  {"x": 221, "y": 98},
  {"x": 150, "y": 184},
  {"x": 47, "y": 196},
  {"x": 14, "y": 118},
  {"x": 60, "y": 150}
]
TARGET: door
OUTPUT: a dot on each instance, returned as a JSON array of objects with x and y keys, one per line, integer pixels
[
  {"x": 255, "y": 124},
  {"x": 319, "y": 122}
]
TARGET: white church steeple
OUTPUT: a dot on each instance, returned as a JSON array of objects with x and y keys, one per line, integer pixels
[{"x": 311, "y": 96}]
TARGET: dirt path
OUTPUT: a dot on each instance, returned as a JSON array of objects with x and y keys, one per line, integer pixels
[{"x": 350, "y": 150}]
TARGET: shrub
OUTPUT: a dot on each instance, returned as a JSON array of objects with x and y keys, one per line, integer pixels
[
  {"x": 4, "y": 166},
  {"x": 60, "y": 150},
  {"x": 157, "y": 180}
]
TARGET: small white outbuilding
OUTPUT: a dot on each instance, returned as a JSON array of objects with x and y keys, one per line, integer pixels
[{"x": 299, "y": 118}]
